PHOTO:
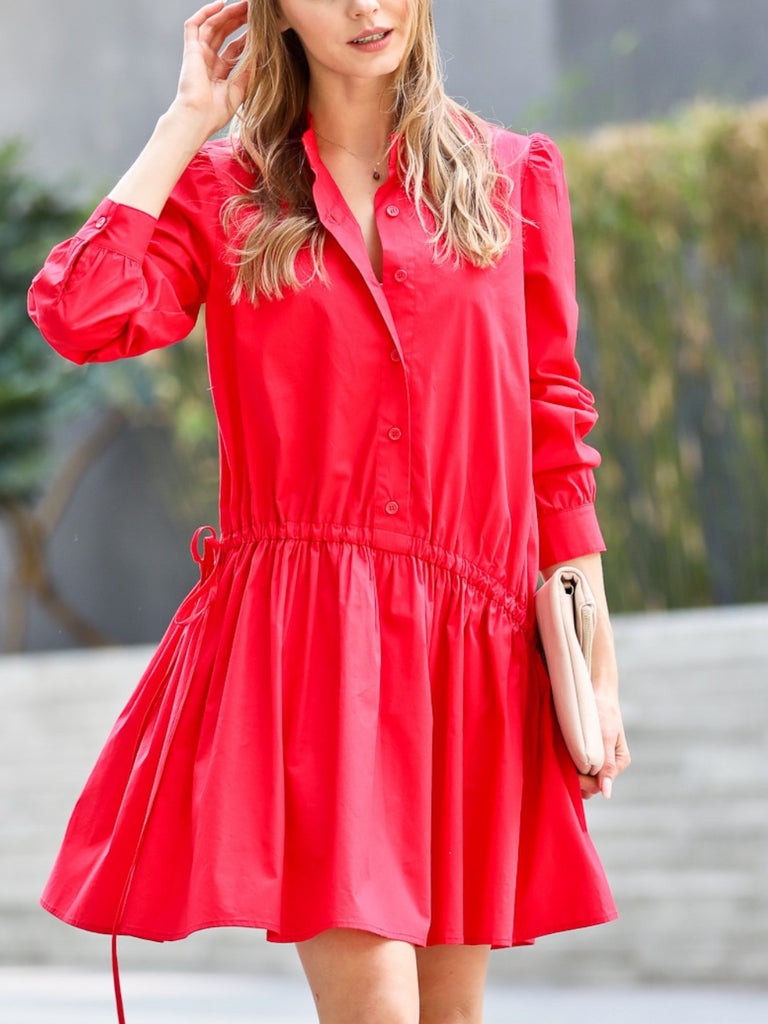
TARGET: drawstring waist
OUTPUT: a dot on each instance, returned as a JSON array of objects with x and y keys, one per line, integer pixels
[{"x": 208, "y": 548}]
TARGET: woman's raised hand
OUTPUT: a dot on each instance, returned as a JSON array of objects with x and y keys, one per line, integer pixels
[
  {"x": 209, "y": 94},
  {"x": 211, "y": 88}
]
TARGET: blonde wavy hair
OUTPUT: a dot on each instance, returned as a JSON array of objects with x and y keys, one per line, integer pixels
[{"x": 445, "y": 160}]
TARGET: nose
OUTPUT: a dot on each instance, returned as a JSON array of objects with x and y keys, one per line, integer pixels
[{"x": 363, "y": 7}]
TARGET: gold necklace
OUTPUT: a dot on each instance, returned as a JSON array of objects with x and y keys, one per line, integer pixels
[{"x": 376, "y": 173}]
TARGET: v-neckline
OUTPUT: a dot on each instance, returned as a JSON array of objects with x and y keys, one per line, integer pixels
[{"x": 339, "y": 211}]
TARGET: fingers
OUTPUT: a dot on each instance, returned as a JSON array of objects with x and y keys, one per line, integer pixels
[
  {"x": 608, "y": 772},
  {"x": 213, "y": 23},
  {"x": 207, "y": 31},
  {"x": 225, "y": 61},
  {"x": 617, "y": 760},
  {"x": 233, "y": 50},
  {"x": 223, "y": 22},
  {"x": 236, "y": 74},
  {"x": 589, "y": 786},
  {"x": 193, "y": 23},
  {"x": 621, "y": 756}
]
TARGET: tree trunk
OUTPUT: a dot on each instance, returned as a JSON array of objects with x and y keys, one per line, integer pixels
[{"x": 31, "y": 529}]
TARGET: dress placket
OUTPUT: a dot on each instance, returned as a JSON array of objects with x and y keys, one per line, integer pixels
[
  {"x": 395, "y": 434},
  {"x": 393, "y": 295}
]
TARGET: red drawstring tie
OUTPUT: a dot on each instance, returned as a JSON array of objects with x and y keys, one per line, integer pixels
[
  {"x": 116, "y": 982},
  {"x": 206, "y": 559}
]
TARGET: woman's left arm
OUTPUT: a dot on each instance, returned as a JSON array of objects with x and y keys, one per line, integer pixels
[
  {"x": 605, "y": 679},
  {"x": 562, "y": 414}
]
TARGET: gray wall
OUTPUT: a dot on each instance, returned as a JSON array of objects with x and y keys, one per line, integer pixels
[
  {"x": 500, "y": 55},
  {"x": 627, "y": 59},
  {"x": 84, "y": 80}
]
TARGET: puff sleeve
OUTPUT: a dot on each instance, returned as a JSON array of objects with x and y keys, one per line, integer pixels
[
  {"x": 129, "y": 282},
  {"x": 562, "y": 409}
]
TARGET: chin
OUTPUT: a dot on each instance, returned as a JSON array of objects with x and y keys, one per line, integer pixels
[{"x": 380, "y": 69}]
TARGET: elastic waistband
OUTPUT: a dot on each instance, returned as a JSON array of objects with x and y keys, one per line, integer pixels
[{"x": 374, "y": 538}]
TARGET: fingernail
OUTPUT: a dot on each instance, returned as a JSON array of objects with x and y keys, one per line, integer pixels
[{"x": 607, "y": 787}]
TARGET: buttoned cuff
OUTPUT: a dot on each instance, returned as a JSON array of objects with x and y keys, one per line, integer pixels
[
  {"x": 119, "y": 228},
  {"x": 569, "y": 533}
]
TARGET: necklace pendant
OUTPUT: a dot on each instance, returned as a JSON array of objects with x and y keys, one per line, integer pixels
[{"x": 376, "y": 176}]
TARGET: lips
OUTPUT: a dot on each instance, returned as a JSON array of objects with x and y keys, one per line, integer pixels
[{"x": 374, "y": 35}]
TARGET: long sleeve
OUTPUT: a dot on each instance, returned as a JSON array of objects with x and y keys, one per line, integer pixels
[
  {"x": 562, "y": 408},
  {"x": 129, "y": 282}
]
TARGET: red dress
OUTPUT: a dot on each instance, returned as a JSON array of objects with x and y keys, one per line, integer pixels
[{"x": 348, "y": 722}]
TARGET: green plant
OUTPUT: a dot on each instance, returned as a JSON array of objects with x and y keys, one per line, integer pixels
[
  {"x": 33, "y": 378},
  {"x": 671, "y": 224},
  {"x": 35, "y": 385}
]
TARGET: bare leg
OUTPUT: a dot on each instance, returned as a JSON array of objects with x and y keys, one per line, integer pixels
[
  {"x": 360, "y": 978},
  {"x": 452, "y": 983}
]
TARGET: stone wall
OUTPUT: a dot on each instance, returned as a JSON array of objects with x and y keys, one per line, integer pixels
[{"x": 684, "y": 841}]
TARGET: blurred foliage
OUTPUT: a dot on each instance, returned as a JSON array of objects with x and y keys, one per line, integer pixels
[
  {"x": 32, "y": 219},
  {"x": 182, "y": 389},
  {"x": 671, "y": 225},
  {"x": 38, "y": 389}
]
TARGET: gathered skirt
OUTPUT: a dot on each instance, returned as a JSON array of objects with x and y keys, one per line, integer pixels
[{"x": 336, "y": 734}]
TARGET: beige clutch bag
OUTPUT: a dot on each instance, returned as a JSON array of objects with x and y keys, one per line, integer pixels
[{"x": 566, "y": 614}]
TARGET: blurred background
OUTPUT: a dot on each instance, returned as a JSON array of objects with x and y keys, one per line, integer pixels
[{"x": 661, "y": 109}]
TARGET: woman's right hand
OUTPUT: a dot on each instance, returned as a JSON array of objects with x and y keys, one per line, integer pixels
[
  {"x": 211, "y": 88},
  {"x": 208, "y": 93}
]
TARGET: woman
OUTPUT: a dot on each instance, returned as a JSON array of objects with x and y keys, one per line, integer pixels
[{"x": 346, "y": 736}]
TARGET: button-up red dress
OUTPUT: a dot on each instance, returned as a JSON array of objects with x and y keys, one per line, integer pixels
[{"x": 348, "y": 723}]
